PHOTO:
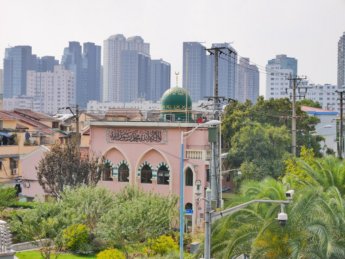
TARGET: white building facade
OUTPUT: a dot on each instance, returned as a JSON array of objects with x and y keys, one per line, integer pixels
[
  {"x": 51, "y": 90},
  {"x": 278, "y": 71},
  {"x": 323, "y": 94}
]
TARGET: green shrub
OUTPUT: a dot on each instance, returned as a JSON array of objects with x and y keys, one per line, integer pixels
[
  {"x": 8, "y": 196},
  {"x": 161, "y": 245},
  {"x": 76, "y": 238},
  {"x": 111, "y": 254}
]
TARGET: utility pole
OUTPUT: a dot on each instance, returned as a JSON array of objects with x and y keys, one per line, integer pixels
[
  {"x": 208, "y": 211},
  {"x": 295, "y": 82},
  {"x": 341, "y": 126},
  {"x": 216, "y": 184}
]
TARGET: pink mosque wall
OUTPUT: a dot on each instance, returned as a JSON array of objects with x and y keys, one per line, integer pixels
[{"x": 135, "y": 154}]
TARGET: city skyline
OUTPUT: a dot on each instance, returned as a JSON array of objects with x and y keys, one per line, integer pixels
[{"x": 259, "y": 30}]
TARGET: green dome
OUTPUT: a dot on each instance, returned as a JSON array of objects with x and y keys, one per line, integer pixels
[{"x": 175, "y": 99}]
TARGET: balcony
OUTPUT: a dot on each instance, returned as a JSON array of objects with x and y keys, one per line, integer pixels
[{"x": 196, "y": 154}]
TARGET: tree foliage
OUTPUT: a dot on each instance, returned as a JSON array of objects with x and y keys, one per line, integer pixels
[
  {"x": 259, "y": 149},
  {"x": 274, "y": 112},
  {"x": 66, "y": 166},
  {"x": 41, "y": 225},
  {"x": 86, "y": 205},
  {"x": 259, "y": 137},
  {"x": 309, "y": 102},
  {"x": 316, "y": 217},
  {"x": 161, "y": 245},
  {"x": 136, "y": 217},
  {"x": 76, "y": 238},
  {"x": 7, "y": 196},
  {"x": 89, "y": 218}
]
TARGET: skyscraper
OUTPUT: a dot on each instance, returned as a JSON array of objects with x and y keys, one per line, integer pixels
[
  {"x": 278, "y": 71},
  {"x": 119, "y": 62},
  {"x": 160, "y": 79},
  {"x": 46, "y": 63},
  {"x": 247, "y": 81},
  {"x": 144, "y": 76},
  {"x": 341, "y": 61},
  {"x": 18, "y": 60},
  {"x": 227, "y": 65},
  {"x": 194, "y": 70},
  {"x": 198, "y": 70},
  {"x": 91, "y": 71},
  {"x": 72, "y": 60},
  {"x": 85, "y": 63}
]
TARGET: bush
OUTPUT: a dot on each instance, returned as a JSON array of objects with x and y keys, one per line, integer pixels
[
  {"x": 8, "y": 196},
  {"x": 76, "y": 238},
  {"x": 111, "y": 254},
  {"x": 161, "y": 245}
]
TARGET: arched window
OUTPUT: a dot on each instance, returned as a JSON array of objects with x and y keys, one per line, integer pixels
[
  {"x": 189, "y": 177},
  {"x": 123, "y": 173},
  {"x": 107, "y": 172},
  {"x": 163, "y": 175},
  {"x": 146, "y": 174}
]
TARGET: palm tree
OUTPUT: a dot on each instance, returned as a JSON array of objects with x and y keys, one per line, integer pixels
[
  {"x": 314, "y": 230},
  {"x": 246, "y": 231}
]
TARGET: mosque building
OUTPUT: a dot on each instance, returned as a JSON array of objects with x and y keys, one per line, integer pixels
[{"x": 144, "y": 150}]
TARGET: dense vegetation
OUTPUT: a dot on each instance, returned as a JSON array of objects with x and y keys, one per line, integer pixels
[
  {"x": 90, "y": 219},
  {"x": 316, "y": 224},
  {"x": 258, "y": 137}
]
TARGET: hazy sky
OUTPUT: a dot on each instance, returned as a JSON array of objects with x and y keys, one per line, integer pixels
[{"x": 259, "y": 29}]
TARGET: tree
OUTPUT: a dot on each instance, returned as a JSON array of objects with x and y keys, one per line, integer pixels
[
  {"x": 65, "y": 166},
  {"x": 316, "y": 217},
  {"x": 86, "y": 205},
  {"x": 274, "y": 112},
  {"x": 244, "y": 231},
  {"x": 309, "y": 102},
  {"x": 259, "y": 150},
  {"x": 136, "y": 217},
  {"x": 326, "y": 173}
]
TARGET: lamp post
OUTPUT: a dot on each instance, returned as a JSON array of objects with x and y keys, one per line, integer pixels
[{"x": 185, "y": 134}]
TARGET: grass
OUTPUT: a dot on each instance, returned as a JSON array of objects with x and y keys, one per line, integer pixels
[{"x": 37, "y": 255}]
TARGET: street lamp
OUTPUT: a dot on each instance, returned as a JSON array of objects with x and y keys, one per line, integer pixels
[{"x": 186, "y": 134}]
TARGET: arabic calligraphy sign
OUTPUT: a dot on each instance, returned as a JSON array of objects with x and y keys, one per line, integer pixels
[{"x": 137, "y": 135}]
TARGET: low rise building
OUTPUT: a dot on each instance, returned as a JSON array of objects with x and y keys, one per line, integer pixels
[{"x": 21, "y": 132}]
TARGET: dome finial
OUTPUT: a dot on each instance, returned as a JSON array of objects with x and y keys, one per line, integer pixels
[{"x": 177, "y": 74}]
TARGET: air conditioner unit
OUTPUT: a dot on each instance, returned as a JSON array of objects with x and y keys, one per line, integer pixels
[{"x": 14, "y": 171}]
